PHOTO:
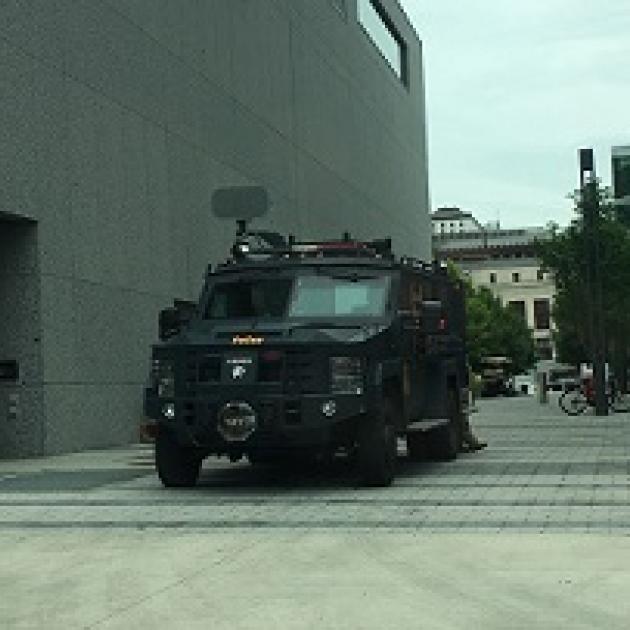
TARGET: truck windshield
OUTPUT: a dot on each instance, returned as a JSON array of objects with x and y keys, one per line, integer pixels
[
  {"x": 327, "y": 296},
  {"x": 245, "y": 299},
  {"x": 299, "y": 297}
]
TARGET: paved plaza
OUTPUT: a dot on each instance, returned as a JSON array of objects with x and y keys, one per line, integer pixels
[{"x": 533, "y": 532}]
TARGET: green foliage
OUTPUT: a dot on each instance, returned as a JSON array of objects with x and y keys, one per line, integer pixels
[
  {"x": 567, "y": 253},
  {"x": 496, "y": 330},
  {"x": 493, "y": 329}
]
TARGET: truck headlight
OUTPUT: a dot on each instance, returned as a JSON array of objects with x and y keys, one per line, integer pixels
[
  {"x": 346, "y": 375},
  {"x": 163, "y": 376}
]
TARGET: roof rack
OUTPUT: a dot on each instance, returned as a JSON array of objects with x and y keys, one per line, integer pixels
[{"x": 256, "y": 246}]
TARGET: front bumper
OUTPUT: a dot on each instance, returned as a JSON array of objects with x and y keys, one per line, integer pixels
[{"x": 282, "y": 421}]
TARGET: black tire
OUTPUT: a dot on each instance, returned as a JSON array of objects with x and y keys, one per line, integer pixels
[
  {"x": 573, "y": 402},
  {"x": 177, "y": 467},
  {"x": 444, "y": 443},
  {"x": 377, "y": 448},
  {"x": 416, "y": 446},
  {"x": 258, "y": 458}
]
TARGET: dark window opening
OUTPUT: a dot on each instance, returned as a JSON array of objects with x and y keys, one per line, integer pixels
[
  {"x": 381, "y": 30},
  {"x": 516, "y": 277},
  {"x": 621, "y": 175},
  {"x": 541, "y": 314},
  {"x": 493, "y": 278}
]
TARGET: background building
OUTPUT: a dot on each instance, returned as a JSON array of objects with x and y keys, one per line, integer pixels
[
  {"x": 454, "y": 220},
  {"x": 504, "y": 260},
  {"x": 119, "y": 119},
  {"x": 621, "y": 179}
]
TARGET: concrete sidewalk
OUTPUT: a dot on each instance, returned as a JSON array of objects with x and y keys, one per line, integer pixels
[{"x": 533, "y": 532}]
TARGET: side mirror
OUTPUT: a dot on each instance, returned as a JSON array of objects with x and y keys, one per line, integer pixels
[
  {"x": 172, "y": 320},
  {"x": 169, "y": 323}
]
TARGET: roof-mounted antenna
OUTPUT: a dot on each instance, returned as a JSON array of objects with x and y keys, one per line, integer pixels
[
  {"x": 241, "y": 227},
  {"x": 240, "y": 202}
]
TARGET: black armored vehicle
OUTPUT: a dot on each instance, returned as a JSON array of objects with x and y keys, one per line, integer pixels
[{"x": 309, "y": 349}]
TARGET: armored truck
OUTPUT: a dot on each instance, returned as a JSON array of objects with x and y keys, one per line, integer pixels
[{"x": 308, "y": 349}]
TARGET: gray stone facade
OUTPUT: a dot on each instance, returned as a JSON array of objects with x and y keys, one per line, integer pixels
[{"x": 118, "y": 118}]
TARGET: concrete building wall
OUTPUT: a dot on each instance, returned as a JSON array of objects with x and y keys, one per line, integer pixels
[{"x": 118, "y": 118}]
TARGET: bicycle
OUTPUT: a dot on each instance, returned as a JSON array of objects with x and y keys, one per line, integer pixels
[{"x": 577, "y": 400}]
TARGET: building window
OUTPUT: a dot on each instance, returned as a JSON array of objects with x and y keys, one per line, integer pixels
[
  {"x": 621, "y": 173},
  {"x": 541, "y": 314},
  {"x": 493, "y": 278},
  {"x": 516, "y": 277},
  {"x": 381, "y": 30},
  {"x": 540, "y": 274},
  {"x": 518, "y": 306}
]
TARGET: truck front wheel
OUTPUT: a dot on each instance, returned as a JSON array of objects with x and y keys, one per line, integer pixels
[
  {"x": 177, "y": 467},
  {"x": 416, "y": 446},
  {"x": 376, "y": 452}
]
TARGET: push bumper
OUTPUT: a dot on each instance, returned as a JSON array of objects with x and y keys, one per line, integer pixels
[{"x": 281, "y": 421}]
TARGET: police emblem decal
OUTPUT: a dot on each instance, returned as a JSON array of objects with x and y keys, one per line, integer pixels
[{"x": 238, "y": 371}]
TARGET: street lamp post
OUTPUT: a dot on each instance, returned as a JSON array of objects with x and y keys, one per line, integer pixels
[{"x": 591, "y": 209}]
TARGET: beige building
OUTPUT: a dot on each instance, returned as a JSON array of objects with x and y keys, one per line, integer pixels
[
  {"x": 505, "y": 262},
  {"x": 521, "y": 284}
]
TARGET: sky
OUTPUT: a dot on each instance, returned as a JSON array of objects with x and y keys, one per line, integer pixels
[{"x": 513, "y": 90}]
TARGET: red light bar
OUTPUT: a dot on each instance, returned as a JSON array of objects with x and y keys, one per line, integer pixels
[
  {"x": 328, "y": 246},
  {"x": 342, "y": 245}
]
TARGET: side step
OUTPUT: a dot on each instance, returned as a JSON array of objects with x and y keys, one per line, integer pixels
[{"x": 427, "y": 424}]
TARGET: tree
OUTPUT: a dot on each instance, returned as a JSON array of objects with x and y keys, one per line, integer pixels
[
  {"x": 496, "y": 330},
  {"x": 566, "y": 255},
  {"x": 493, "y": 329}
]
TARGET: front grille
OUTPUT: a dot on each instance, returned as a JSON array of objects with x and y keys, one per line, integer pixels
[
  {"x": 304, "y": 373},
  {"x": 209, "y": 369},
  {"x": 202, "y": 367},
  {"x": 293, "y": 413},
  {"x": 270, "y": 366},
  {"x": 189, "y": 413},
  {"x": 296, "y": 371}
]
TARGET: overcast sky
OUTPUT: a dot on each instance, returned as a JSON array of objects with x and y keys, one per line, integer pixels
[{"x": 513, "y": 90}]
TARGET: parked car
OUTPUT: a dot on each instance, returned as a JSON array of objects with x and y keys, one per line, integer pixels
[
  {"x": 562, "y": 378},
  {"x": 495, "y": 376}
]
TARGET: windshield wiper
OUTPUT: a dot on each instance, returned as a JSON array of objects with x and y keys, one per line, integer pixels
[{"x": 349, "y": 277}]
